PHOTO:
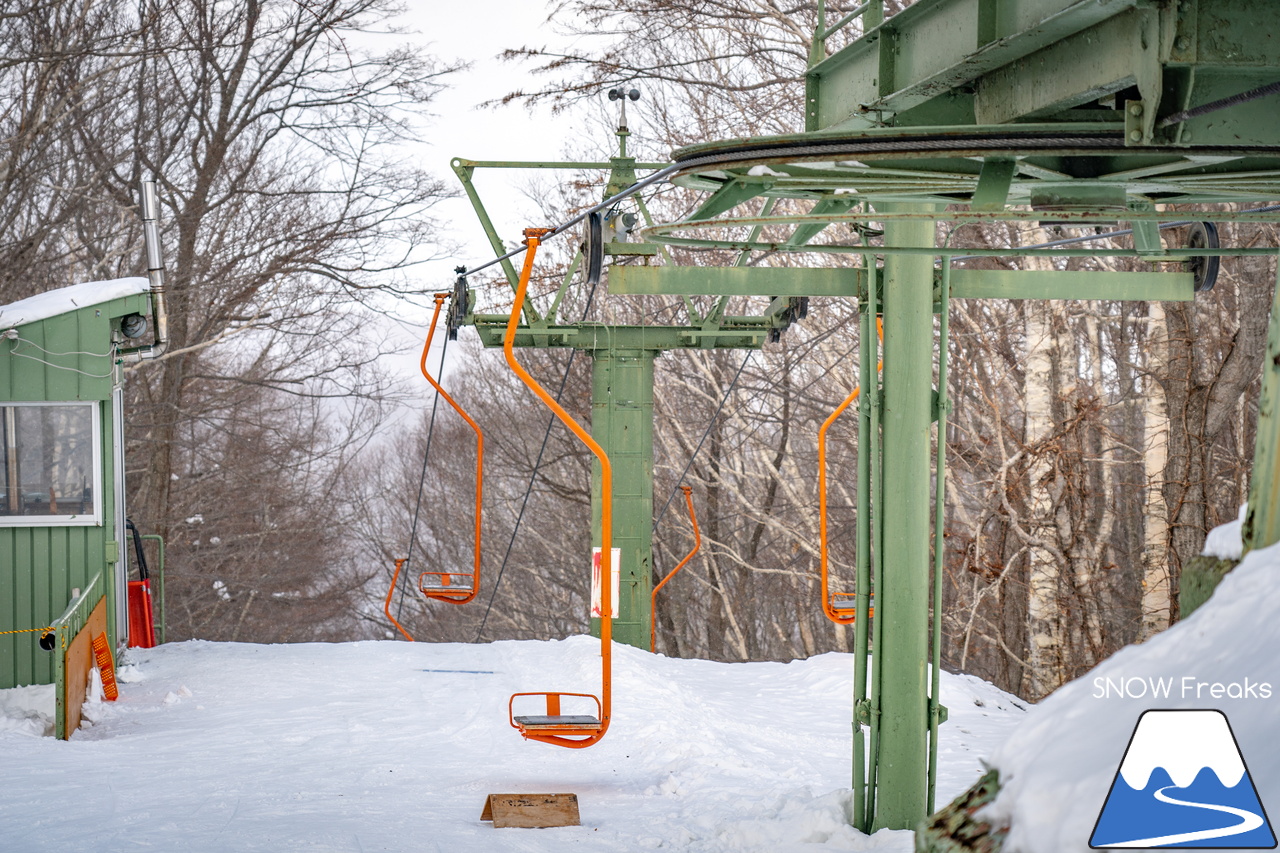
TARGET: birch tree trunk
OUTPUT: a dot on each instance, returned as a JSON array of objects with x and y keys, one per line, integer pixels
[
  {"x": 1044, "y": 566},
  {"x": 1155, "y": 420}
]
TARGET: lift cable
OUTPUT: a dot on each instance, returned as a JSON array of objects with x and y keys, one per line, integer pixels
[
  {"x": 705, "y": 433},
  {"x": 422, "y": 479},
  {"x": 1220, "y": 104},
  {"x": 1107, "y": 235},
  {"x": 533, "y": 478}
]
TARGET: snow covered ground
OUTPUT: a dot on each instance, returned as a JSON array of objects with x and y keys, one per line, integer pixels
[
  {"x": 391, "y": 746},
  {"x": 1057, "y": 767}
]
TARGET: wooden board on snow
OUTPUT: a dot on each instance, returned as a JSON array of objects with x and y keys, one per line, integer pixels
[{"x": 531, "y": 810}]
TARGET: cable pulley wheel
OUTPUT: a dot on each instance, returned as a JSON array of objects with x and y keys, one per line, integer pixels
[
  {"x": 1203, "y": 268},
  {"x": 594, "y": 247},
  {"x": 458, "y": 305}
]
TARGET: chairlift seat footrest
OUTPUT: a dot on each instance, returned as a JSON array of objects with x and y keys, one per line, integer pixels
[
  {"x": 845, "y": 604},
  {"x": 446, "y": 582},
  {"x": 576, "y": 721}
]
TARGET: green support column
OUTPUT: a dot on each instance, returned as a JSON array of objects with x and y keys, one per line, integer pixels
[
  {"x": 622, "y": 422},
  {"x": 902, "y": 604}
]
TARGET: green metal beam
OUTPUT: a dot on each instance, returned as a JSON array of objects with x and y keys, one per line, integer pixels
[
  {"x": 934, "y": 47},
  {"x": 465, "y": 169},
  {"x": 593, "y": 337},
  {"x": 964, "y": 62},
  {"x": 1072, "y": 284},
  {"x": 728, "y": 197},
  {"x": 734, "y": 281},
  {"x": 1123, "y": 51},
  {"x": 831, "y": 204},
  {"x": 849, "y": 282},
  {"x": 993, "y": 183}
]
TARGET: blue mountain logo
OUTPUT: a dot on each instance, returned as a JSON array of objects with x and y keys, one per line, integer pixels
[{"x": 1183, "y": 783}]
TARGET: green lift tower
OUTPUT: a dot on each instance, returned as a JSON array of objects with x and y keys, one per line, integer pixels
[{"x": 1079, "y": 112}]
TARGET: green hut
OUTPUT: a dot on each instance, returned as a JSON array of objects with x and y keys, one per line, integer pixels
[
  {"x": 63, "y": 538},
  {"x": 61, "y": 463}
]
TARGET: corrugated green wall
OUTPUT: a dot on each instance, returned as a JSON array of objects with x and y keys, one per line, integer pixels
[{"x": 41, "y": 565}]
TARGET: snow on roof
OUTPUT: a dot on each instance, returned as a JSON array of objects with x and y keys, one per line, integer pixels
[{"x": 42, "y": 306}]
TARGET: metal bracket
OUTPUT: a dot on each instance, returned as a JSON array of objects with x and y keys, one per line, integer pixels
[
  {"x": 1133, "y": 122},
  {"x": 631, "y": 249},
  {"x": 994, "y": 181}
]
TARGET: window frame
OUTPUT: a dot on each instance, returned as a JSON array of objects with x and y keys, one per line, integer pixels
[{"x": 95, "y": 519}]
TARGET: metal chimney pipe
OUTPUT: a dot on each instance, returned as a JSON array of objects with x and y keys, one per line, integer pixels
[{"x": 155, "y": 273}]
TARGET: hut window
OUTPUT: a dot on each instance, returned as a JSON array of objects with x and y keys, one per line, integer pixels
[{"x": 50, "y": 463}]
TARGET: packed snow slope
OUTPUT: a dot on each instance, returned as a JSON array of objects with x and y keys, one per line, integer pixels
[
  {"x": 1057, "y": 766},
  {"x": 393, "y": 746}
]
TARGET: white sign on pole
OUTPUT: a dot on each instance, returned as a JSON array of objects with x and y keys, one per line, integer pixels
[{"x": 615, "y": 582}]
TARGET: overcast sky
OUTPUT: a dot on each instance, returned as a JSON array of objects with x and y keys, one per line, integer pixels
[{"x": 476, "y": 33}]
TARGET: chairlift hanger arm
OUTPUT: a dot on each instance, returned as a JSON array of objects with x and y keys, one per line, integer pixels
[
  {"x": 653, "y": 596},
  {"x": 386, "y": 605},
  {"x": 445, "y": 589},
  {"x": 556, "y": 729},
  {"x": 840, "y": 615}
]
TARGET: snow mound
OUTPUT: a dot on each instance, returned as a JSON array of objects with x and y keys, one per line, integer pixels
[
  {"x": 393, "y": 746},
  {"x": 28, "y": 710},
  {"x": 1057, "y": 766},
  {"x": 1226, "y": 542}
]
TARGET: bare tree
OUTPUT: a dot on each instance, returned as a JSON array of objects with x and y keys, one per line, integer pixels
[
  {"x": 57, "y": 57},
  {"x": 1092, "y": 443},
  {"x": 292, "y": 214}
]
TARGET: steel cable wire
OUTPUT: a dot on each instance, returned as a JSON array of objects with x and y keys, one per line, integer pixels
[
  {"x": 422, "y": 478},
  {"x": 533, "y": 478}
]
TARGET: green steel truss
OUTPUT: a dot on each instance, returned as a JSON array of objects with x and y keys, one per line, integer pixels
[{"x": 623, "y": 359}]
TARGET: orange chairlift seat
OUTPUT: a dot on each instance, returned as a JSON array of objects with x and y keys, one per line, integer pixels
[
  {"x": 839, "y": 607},
  {"x": 574, "y": 731},
  {"x": 653, "y": 596},
  {"x": 454, "y": 587}
]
